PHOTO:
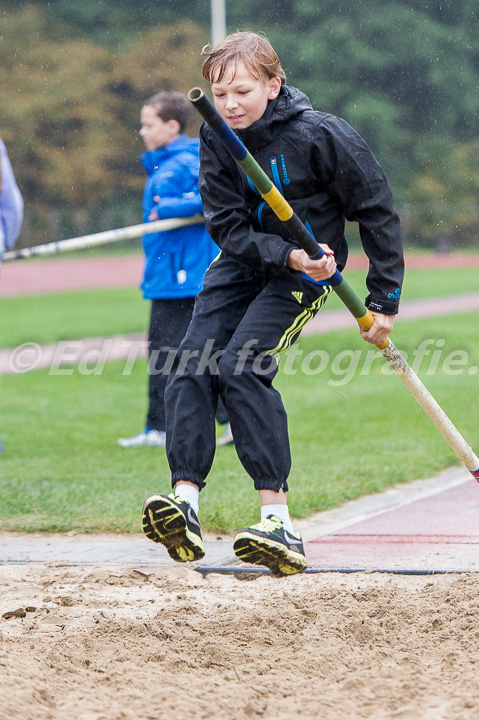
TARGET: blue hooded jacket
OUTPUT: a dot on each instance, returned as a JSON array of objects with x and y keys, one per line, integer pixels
[
  {"x": 11, "y": 203},
  {"x": 176, "y": 260}
]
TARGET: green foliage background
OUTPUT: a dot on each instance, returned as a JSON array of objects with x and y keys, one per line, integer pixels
[{"x": 404, "y": 73}]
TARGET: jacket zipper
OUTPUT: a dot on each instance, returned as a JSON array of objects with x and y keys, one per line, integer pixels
[
  {"x": 274, "y": 170},
  {"x": 277, "y": 182}
]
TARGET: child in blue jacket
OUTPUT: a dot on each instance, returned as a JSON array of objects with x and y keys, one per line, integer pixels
[{"x": 175, "y": 260}]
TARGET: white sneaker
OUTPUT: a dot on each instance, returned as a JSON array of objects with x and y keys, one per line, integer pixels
[
  {"x": 145, "y": 437},
  {"x": 226, "y": 438}
]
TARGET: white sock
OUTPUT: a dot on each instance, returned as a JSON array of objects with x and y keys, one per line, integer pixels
[
  {"x": 191, "y": 493},
  {"x": 281, "y": 512}
]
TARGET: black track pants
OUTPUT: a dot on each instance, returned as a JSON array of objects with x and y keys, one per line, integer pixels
[
  {"x": 169, "y": 321},
  {"x": 240, "y": 322}
]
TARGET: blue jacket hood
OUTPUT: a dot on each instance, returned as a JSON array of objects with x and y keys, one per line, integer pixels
[{"x": 151, "y": 159}]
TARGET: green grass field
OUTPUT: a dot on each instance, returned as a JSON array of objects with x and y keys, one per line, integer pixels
[
  {"x": 95, "y": 313},
  {"x": 62, "y": 469},
  {"x": 67, "y": 316}
]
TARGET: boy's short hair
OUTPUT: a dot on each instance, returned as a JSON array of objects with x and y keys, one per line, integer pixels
[
  {"x": 171, "y": 105},
  {"x": 253, "y": 50}
]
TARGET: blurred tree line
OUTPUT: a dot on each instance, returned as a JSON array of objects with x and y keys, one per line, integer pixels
[{"x": 74, "y": 75}]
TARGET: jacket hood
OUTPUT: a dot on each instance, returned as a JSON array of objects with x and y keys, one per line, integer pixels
[
  {"x": 152, "y": 158},
  {"x": 289, "y": 103}
]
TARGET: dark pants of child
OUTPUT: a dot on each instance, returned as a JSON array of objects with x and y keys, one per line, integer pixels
[
  {"x": 241, "y": 321},
  {"x": 169, "y": 322}
]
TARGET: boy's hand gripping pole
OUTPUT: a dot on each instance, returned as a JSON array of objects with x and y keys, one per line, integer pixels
[{"x": 364, "y": 318}]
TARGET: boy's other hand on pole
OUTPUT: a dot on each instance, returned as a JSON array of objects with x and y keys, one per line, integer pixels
[
  {"x": 320, "y": 269},
  {"x": 380, "y": 330}
]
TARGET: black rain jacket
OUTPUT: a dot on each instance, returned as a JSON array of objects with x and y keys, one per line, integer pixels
[{"x": 326, "y": 172}]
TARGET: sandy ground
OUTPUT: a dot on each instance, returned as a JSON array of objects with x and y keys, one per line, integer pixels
[
  {"x": 116, "y": 643},
  {"x": 99, "y": 643}
]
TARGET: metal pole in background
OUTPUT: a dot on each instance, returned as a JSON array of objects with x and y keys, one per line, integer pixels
[
  {"x": 218, "y": 21},
  {"x": 102, "y": 238}
]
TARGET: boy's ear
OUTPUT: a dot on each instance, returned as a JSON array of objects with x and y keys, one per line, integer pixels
[
  {"x": 274, "y": 86},
  {"x": 174, "y": 127}
]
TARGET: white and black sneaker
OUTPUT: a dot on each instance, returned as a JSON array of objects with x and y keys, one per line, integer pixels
[
  {"x": 226, "y": 438},
  {"x": 149, "y": 437},
  {"x": 171, "y": 521},
  {"x": 269, "y": 544}
]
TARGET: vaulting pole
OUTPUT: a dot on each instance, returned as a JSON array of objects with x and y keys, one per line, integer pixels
[
  {"x": 102, "y": 238},
  {"x": 364, "y": 318}
]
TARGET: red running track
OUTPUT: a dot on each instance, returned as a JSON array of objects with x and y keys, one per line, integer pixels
[
  {"x": 439, "y": 533},
  {"x": 39, "y": 275}
]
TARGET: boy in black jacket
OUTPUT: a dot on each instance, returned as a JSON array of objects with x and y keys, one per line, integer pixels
[{"x": 262, "y": 290}]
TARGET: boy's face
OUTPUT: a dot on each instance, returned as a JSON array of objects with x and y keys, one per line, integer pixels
[
  {"x": 154, "y": 131},
  {"x": 241, "y": 99}
]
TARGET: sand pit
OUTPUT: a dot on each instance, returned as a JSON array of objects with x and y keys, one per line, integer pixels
[{"x": 98, "y": 643}]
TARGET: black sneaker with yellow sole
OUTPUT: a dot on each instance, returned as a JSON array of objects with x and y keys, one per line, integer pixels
[
  {"x": 269, "y": 544},
  {"x": 171, "y": 521}
]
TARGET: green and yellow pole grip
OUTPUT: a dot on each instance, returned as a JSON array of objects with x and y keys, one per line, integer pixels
[{"x": 299, "y": 232}]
